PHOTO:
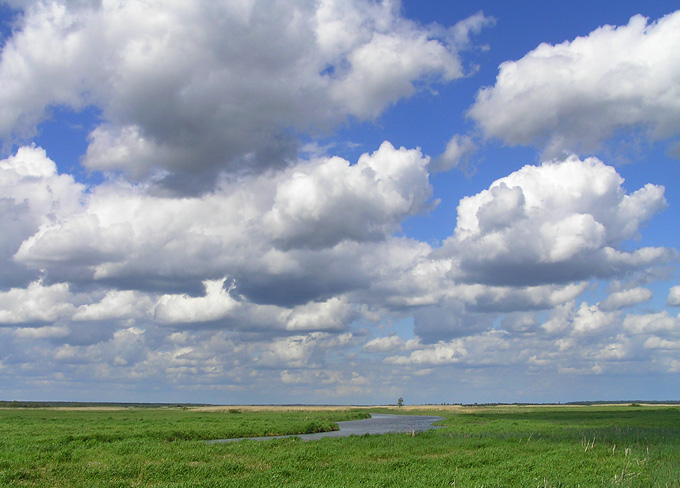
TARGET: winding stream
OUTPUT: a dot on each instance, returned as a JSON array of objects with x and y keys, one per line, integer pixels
[{"x": 377, "y": 424}]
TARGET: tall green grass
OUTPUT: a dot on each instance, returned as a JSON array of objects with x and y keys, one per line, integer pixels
[{"x": 479, "y": 447}]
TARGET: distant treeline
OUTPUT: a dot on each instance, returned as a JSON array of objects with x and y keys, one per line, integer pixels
[
  {"x": 22, "y": 404},
  {"x": 629, "y": 402},
  {"x": 584, "y": 402}
]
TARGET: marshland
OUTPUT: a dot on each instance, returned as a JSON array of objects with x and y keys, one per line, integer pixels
[{"x": 477, "y": 446}]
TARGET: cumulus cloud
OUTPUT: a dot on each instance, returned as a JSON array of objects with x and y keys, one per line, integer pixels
[
  {"x": 296, "y": 263},
  {"x": 575, "y": 339},
  {"x": 468, "y": 309},
  {"x": 300, "y": 351},
  {"x": 659, "y": 322},
  {"x": 674, "y": 297},
  {"x": 484, "y": 298},
  {"x": 47, "y": 332},
  {"x": 263, "y": 231},
  {"x": 559, "y": 222},
  {"x": 390, "y": 343},
  {"x": 289, "y": 255},
  {"x": 333, "y": 314},
  {"x": 485, "y": 348},
  {"x": 626, "y": 298},
  {"x": 382, "y": 344},
  {"x": 181, "y": 107},
  {"x": 293, "y": 352},
  {"x": 437, "y": 354},
  {"x": 35, "y": 304},
  {"x": 383, "y": 71},
  {"x": 658, "y": 343},
  {"x": 573, "y": 96},
  {"x": 589, "y": 319},
  {"x": 116, "y": 305},
  {"x": 125, "y": 348},
  {"x": 374, "y": 196},
  {"x": 216, "y": 304},
  {"x": 32, "y": 194}
]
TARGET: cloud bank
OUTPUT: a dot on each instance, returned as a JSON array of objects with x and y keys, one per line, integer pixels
[{"x": 158, "y": 287}]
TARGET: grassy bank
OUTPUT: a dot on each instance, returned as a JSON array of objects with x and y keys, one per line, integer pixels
[{"x": 480, "y": 447}]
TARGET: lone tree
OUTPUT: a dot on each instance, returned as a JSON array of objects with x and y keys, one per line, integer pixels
[{"x": 400, "y": 402}]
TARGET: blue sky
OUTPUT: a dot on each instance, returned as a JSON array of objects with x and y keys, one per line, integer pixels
[{"x": 339, "y": 202}]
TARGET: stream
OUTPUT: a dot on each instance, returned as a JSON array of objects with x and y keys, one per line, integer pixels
[{"x": 377, "y": 424}]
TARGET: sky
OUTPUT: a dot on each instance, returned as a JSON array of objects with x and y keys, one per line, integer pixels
[{"x": 339, "y": 201}]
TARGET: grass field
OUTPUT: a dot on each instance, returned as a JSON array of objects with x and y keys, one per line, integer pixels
[{"x": 587, "y": 446}]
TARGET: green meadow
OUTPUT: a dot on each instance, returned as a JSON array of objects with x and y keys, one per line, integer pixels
[{"x": 508, "y": 446}]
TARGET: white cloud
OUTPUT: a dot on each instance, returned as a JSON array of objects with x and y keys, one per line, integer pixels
[
  {"x": 31, "y": 194},
  {"x": 674, "y": 297},
  {"x": 297, "y": 378},
  {"x": 655, "y": 342},
  {"x": 437, "y": 354},
  {"x": 520, "y": 322},
  {"x": 29, "y": 162},
  {"x": 561, "y": 221},
  {"x": 573, "y": 96},
  {"x": 181, "y": 107},
  {"x": 402, "y": 274},
  {"x": 384, "y": 344},
  {"x": 489, "y": 347},
  {"x": 318, "y": 269},
  {"x": 47, "y": 332},
  {"x": 384, "y": 69},
  {"x": 651, "y": 323},
  {"x": 391, "y": 343},
  {"x": 560, "y": 318},
  {"x": 329, "y": 384},
  {"x": 312, "y": 351},
  {"x": 36, "y": 303},
  {"x": 614, "y": 351},
  {"x": 457, "y": 153},
  {"x": 143, "y": 258},
  {"x": 333, "y": 314},
  {"x": 574, "y": 340},
  {"x": 590, "y": 319},
  {"x": 483, "y": 298},
  {"x": 125, "y": 348},
  {"x": 263, "y": 231},
  {"x": 324, "y": 203},
  {"x": 293, "y": 352},
  {"x": 472, "y": 25},
  {"x": 674, "y": 366},
  {"x": 26, "y": 63},
  {"x": 215, "y": 305},
  {"x": 116, "y": 304},
  {"x": 626, "y": 298}
]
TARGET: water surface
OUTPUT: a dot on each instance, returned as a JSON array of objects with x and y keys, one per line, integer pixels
[{"x": 377, "y": 424}]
